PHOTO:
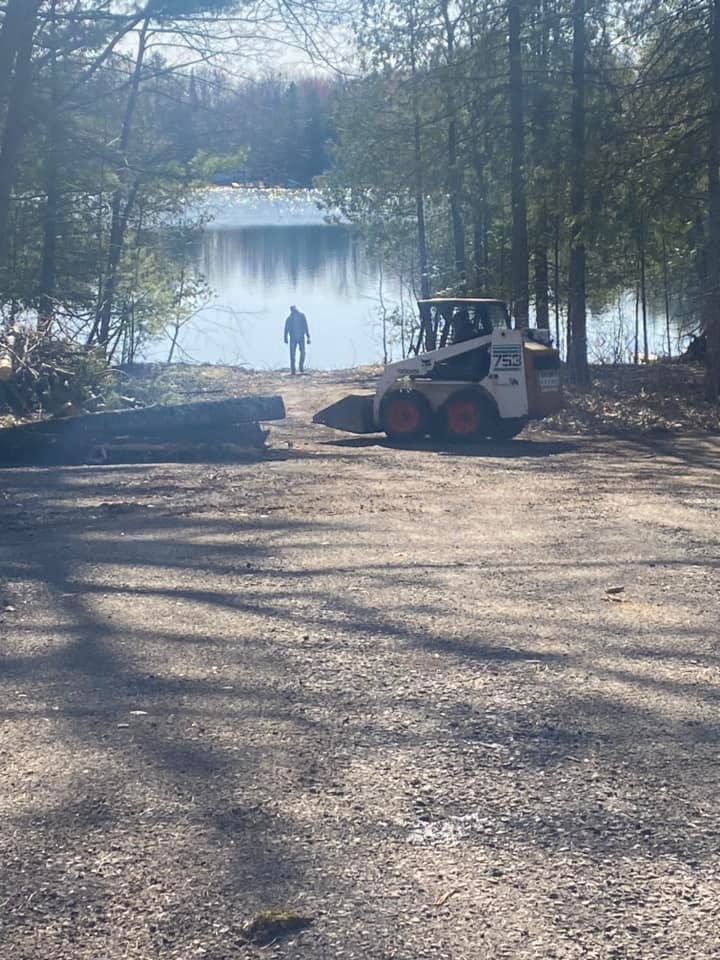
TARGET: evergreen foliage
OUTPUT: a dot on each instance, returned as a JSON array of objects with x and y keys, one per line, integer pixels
[
  {"x": 112, "y": 119},
  {"x": 601, "y": 115}
]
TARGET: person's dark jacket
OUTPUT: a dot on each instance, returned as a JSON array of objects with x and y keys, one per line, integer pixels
[{"x": 296, "y": 327}]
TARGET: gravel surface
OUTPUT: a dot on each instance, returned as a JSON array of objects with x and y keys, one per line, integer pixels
[{"x": 433, "y": 703}]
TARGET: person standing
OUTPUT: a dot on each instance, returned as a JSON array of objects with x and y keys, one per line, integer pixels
[{"x": 296, "y": 332}]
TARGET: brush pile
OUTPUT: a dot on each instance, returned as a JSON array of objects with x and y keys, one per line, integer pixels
[{"x": 45, "y": 376}]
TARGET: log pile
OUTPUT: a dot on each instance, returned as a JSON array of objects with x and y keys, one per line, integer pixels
[{"x": 220, "y": 429}]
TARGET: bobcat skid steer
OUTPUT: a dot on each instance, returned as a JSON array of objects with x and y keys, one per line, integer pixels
[{"x": 484, "y": 380}]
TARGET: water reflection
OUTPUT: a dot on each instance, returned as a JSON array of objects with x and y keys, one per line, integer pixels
[
  {"x": 268, "y": 249},
  {"x": 257, "y": 272},
  {"x": 286, "y": 256}
]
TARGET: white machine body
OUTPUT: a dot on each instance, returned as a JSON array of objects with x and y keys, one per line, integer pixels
[{"x": 505, "y": 383}]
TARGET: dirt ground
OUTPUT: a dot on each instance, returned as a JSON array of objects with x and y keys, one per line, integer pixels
[{"x": 388, "y": 689}]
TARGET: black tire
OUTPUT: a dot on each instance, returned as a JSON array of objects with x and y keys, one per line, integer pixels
[
  {"x": 466, "y": 416},
  {"x": 405, "y": 415},
  {"x": 506, "y": 429}
]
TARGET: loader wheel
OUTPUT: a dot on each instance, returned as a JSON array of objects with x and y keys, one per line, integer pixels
[
  {"x": 506, "y": 429},
  {"x": 465, "y": 416},
  {"x": 405, "y": 415}
]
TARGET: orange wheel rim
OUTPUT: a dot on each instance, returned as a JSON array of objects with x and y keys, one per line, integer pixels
[
  {"x": 463, "y": 417},
  {"x": 403, "y": 416}
]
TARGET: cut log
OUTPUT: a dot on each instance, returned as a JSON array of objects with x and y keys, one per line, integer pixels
[
  {"x": 156, "y": 451},
  {"x": 73, "y": 439}
]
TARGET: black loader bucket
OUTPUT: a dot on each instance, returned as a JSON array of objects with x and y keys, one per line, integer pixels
[{"x": 353, "y": 414}]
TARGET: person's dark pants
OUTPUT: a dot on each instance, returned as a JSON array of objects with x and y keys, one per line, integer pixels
[{"x": 296, "y": 345}]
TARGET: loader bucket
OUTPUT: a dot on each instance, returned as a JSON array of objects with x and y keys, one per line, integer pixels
[{"x": 353, "y": 413}]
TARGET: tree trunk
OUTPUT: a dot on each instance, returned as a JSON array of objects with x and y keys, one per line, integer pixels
[
  {"x": 419, "y": 180},
  {"x": 636, "y": 351},
  {"x": 19, "y": 44},
  {"x": 120, "y": 212},
  {"x": 383, "y": 315},
  {"x": 540, "y": 122},
  {"x": 48, "y": 264},
  {"x": 519, "y": 255},
  {"x": 577, "y": 318},
  {"x": 556, "y": 284},
  {"x": 480, "y": 243},
  {"x": 454, "y": 170},
  {"x": 119, "y": 219},
  {"x": 420, "y": 195},
  {"x": 420, "y": 215},
  {"x": 712, "y": 292},
  {"x": 542, "y": 300},
  {"x": 643, "y": 293},
  {"x": 8, "y": 43},
  {"x": 479, "y": 252},
  {"x": 666, "y": 288}
]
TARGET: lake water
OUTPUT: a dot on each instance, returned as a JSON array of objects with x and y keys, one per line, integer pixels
[
  {"x": 266, "y": 249},
  {"x": 262, "y": 252}
]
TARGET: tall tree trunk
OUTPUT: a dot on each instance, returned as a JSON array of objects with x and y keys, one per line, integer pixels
[
  {"x": 121, "y": 211},
  {"x": 542, "y": 300},
  {"x": 51, "y": 225},
  {"x": 541, "y": 102},
  {"x": 712, "y": 292},
  {"x": 418, "y": 171},
  {"x": 119, "y": 221},
  {"x": 478, "y": 126},
  {"x": 20, "y": 46},
  {"x": 479, "y": 251},
  {"x": 420, "y": 213},
  {"x": 666, "y": 288},
  {"x": 636, "y": 351},
  {"x": 502, "y": 267},
  {"x": 454, "y": 174},
  {"x": 643, "y": 291},
  {"x": 519, "y": 253},
  {"x": 519, "y": 281},
  {"x": 556, "y": 283},
  {"x": 577, "y": 318},
  {"x": 48, "y": 264},
  {"x": 8, "y": 43},
  {"x": 480, "y": 242}
]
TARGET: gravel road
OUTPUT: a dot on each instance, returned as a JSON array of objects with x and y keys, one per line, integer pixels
[{"x": 455, "y": 704}]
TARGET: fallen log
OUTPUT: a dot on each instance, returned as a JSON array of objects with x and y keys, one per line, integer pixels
[
  {"x": 243, "y": 441},
  {"x": 76, "y": 439},
  {"x": 156, "y": 452}
]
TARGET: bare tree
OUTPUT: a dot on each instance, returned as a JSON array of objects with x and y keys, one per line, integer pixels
[
  {"x": 520, "y": 280},
  {"x": 577, "y": 319}
]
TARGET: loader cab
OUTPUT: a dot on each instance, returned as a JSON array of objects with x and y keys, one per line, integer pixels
[{"x": 447, "y": 320}]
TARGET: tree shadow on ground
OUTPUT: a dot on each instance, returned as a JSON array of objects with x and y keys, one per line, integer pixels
[
  {"x": 207, "y": 771},
  {"x": 80, "y": 689}
]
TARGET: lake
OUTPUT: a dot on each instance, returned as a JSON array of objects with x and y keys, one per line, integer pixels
[{"x": 264, "y": 250}]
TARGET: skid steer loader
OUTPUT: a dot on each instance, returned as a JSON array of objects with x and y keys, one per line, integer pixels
[{"x": 484, "y": 380}]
